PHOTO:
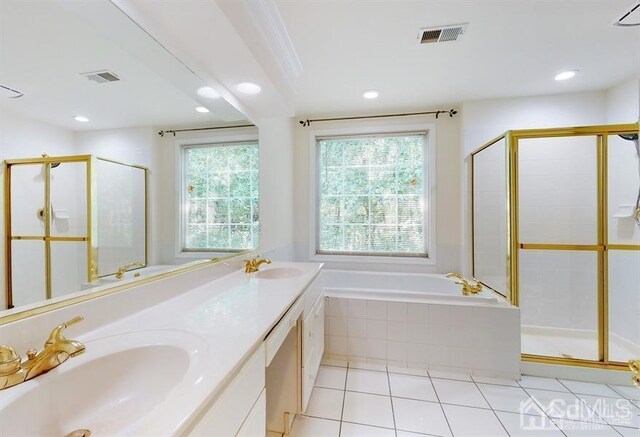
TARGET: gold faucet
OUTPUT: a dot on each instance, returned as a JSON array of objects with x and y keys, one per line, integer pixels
[
  {"x": 253, "y": 265},
  {"x": 122, "y": 270},
  {"x": 57, "y": 349},
  {"x": 468, "y": 288},
  {"x": 634, "y": 365}
]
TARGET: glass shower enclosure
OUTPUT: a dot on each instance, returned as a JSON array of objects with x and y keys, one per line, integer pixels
[
  {"x": 68, "y": 221},
  {"x": 554, "y": 233}
]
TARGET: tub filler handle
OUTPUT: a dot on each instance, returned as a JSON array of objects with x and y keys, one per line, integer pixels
[{"x": 468, "y": 289}]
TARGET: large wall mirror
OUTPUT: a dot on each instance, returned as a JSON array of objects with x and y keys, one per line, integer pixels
[{"x": 106, "y": 178}]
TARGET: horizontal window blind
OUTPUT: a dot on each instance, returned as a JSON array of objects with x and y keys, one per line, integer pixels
[{"x": 371, "y": 195}]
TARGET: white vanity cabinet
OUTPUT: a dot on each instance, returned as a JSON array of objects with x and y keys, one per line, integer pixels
[
  {"x": 312, "y": 348},
  {"x": 275, "y": 383},
  {"x": 239, "y": 406}
]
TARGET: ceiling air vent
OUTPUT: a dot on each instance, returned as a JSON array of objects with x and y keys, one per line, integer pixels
[
  {"x": 631, "y": 17},
  {"x": 442, "y": 33},
  {"x": 6, "y": 91},
  {"x": 101, "y": 76}
]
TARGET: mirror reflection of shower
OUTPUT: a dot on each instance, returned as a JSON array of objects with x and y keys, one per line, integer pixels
[
  {"x": 71, "y": 220},
  {"x": 41, "y": 211},
  {"x": 636, "y": 142}
]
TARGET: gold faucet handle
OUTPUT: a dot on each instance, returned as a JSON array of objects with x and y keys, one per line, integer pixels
[
  {"x": 477, "y": 286},
  {"x": 9, "y": 360},
  {"x": 459, "y": 276},
  {"x": 634, "y": 366},
  {"x": 58, "y": 331}
]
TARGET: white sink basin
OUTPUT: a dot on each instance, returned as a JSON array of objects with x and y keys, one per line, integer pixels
[
  {"x": 278, "y": 273},
  {"x": 115, "y": 383}
]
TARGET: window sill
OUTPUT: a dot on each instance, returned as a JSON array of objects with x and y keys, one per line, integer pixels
[
  {"x": 207, "y": 255},
  {"x": 373, "y": 259}
]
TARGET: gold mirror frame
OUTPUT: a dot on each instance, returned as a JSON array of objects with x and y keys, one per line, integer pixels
[
  {"x": 111, "y": 289},
  {"x": 29, "y": 310}
]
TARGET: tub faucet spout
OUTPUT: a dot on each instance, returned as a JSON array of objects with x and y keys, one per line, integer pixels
[{"x": 468, "y": 289}]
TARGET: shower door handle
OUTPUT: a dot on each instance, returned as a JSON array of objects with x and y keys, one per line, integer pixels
[{"x": 634, "y": 365}]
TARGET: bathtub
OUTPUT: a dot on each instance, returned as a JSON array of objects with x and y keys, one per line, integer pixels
[
  {"x": 434, "y": 295},
  {"x": 419, "y": 321}
]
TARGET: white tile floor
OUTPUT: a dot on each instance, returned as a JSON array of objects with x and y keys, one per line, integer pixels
[{"x": 357, "y": 402}]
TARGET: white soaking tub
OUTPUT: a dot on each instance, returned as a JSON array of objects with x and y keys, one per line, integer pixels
[{"x": 419, "y": 321}]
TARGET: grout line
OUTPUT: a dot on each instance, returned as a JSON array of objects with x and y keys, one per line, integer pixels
[
  {"x": 543, "y": 411},
  {"x": 368, "y": 393},
  {"x": 620, "y": 396},
  {"x": 367, "y": 370},
  {"x": 329, "y": 388},
  {"x": 367, "y": 424},
  {"x": 333, "y": 365},
  {"x": 493, "y": 383},
  {"x": 601, "y": 426},
  {"x": 591, "y": 409},
  {"x": 344, "y": 396},
  {"x": 623, "y": 395},
  {"x": 393, "y": 413},
  {"x": 492, "y": 410},
  {"x": 441, "y": 407},
  {"x": 569, "y": 391},
  {"x": 319, "y": 417}
]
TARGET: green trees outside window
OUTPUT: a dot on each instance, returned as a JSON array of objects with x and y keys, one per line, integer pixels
[
  {"x": 221, "y": 197},
  {"x": 371, "y": 195}
]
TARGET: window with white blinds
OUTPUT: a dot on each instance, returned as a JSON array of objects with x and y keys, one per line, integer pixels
[
  {"x": 371, "y": 195},
  {"x": 221, "y": 197}
]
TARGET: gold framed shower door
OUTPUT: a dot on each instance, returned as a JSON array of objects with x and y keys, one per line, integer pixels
[
  {"x": 91, "y": 237},
  {"x": 601, "y": 248}
]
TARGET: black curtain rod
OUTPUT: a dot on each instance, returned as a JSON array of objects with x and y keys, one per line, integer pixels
[
  {"x": 195, "y": 129},
  {"x": 451, "y": 113}
]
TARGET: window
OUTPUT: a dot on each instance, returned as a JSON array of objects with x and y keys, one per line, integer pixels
[
  {"x": 371, "y": 195},
  {"x": 221, "y": 197}
]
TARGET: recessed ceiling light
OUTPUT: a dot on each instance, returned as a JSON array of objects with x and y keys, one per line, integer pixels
[
  {"x": 371, "y": 94},
  {"x": 81, "y": 119},
  {"x": 248, "y": 88},
  {"x": 208, "y": 92},
  {"x": 564, "y": 75},
  {"x": 202, "y": 109}
]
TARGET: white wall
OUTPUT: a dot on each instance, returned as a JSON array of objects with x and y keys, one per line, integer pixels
[
  {"x": 278, "y": 188},
  {"x": 448, "y": 193},
  {"x": 484, "y": 120},
  {"x": 623, "y": 102},
  {"x": 166, "y": 206},
  {"x": 25, "y": 138},
  {"x": 132, "y": 146},
  {"x": 623, "y": 106}
]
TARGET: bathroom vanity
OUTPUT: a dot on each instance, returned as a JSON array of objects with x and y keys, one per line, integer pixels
[{"x": 214, "y": 351}]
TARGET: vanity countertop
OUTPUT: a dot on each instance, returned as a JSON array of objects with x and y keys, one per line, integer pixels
[{"x": 224, "y": 320}]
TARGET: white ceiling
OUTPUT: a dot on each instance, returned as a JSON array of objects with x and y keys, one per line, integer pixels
[
  {"x": 44, "y": 46},
  {"x": 511, "y": 48}
]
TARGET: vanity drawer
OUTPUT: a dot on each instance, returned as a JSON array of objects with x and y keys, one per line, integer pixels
[
  {"x": 229, "y": 411},
  {"x": 256, "y": 423},
  {"x": 279, "y": 333},
  {"x": 313, "y": 328},
  {"x": 313, "y": 348}
]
